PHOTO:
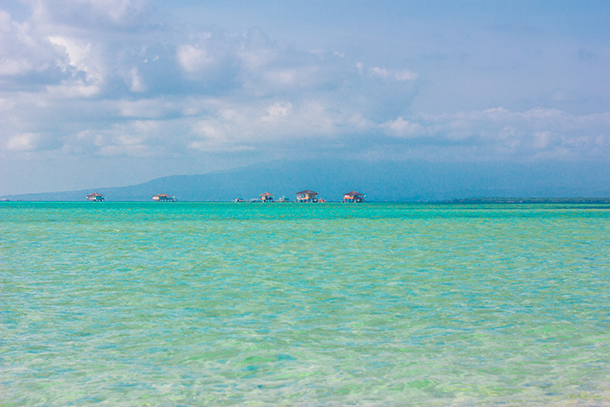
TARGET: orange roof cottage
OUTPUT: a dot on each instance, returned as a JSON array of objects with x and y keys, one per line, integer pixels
[
  {"x": 353, "y": 196},
  {"x": 95, "y": 197}
]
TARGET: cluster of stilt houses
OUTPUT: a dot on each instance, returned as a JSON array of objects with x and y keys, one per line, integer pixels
[
  {"x": 305, "y": 196},
  {"x": 308, "y": 196}
]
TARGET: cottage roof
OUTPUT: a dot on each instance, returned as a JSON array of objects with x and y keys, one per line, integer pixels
[
  {"x": 93, "y": 195},
  {"x": 266, "y": 194},
  {"x": 353, "y": 193},
  {"x": 308, "y": 192}
]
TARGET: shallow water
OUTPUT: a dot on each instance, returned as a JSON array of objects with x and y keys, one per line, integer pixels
[{"x": 304, "y": 304}]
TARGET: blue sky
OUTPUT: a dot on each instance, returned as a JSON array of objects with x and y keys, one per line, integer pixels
[{"x": 116, "y": 92}]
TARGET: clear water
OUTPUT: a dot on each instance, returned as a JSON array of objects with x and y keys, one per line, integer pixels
[{"x": 314, "y": 304}]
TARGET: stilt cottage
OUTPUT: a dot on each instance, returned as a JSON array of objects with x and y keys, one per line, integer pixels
[
  {"x": 353, "y": 196},
  {"x": 95, "y": 197},
  {"x": 307, "y": 196},
  {"x": 266, "y": 197},
  {"x": 164, "y": 198}
]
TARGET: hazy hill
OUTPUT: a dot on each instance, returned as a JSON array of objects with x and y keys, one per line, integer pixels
[{"x": 395, "y": 181}]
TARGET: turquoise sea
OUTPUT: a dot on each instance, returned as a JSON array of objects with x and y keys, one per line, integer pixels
[{"x": 180, "y": 304}]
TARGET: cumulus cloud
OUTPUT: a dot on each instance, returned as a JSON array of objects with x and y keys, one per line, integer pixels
[
  {"x": 86, "y": 72},
  {"x": 144, "y": 108},
  {"x": 193, "y": 59},
  {"x": 116, "y": 14},
  {"x": 22, "y": 142},
  {"x": 401, "y": 75},
  {"x": 83, "y": 79},
  {"x": 532, "y": 133},
  {"x": 14, "y": 66},
  {"x": 136, "y": 84},
  {"x": 5, "y": 21},
  {"x": 401, "y": 127},
  {"x": 405, "y": 75},
  {"x": 278, "y": 110}
]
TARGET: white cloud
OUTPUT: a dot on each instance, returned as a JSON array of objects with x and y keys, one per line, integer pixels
[
  {"x": 542, "y": 139},
  {"x": 139, "y": 138},
  {"x": 14, "y": 66},
  {"x": 205, "y": 129},
  {"x": 401, "y": 127},
  {"x": 91, "y": 13},
  {"x": 228, "y": 92},
  {"x": 193, "y": 59},
  {"x": 73, "y": 89},
  {"x": 118, "y": 11},
  {"x": 23, "y": 142},
  {"x": 536, "y": 132},
  {"x": 293, "y": 77},
  {"x": 255, "y": 50},
  {"x": 379, "y": 72},
  {"x": 6, "y": 104},
  {"x": 539, "y": 113},
  {"x": 23, "y": 49},
  {"x": 278, "y": 110},
  {"x": 507, "y": 132},
  {"x": 151, "y": 108},
  {"x": 79, "y": 55},
  {"x": 359, "y": 123},
  {"x": 5, "y": 21},
  {"x": 137, "y": 84},
  {"x": 131, "y": 150},
  {"x": 80, "y": 58},
  {"x": 404, "y": 75}
]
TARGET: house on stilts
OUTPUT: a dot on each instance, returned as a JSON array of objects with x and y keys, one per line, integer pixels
[
  {"x": 266, "y": 197},
  {"x": 95, "y": 197},
  {"x": 163, "y": 198},
  {"x": 307, "y": 196},
  {"x": 353, "y": 197}
]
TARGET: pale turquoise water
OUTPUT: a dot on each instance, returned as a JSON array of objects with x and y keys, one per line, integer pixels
[{"x": 284, "y": 304}]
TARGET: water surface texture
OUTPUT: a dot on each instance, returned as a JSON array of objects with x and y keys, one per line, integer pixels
[{"x": 141, "y": 304}]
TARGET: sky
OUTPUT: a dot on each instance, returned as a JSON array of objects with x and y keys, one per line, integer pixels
[{"x": 99, "y": 93}]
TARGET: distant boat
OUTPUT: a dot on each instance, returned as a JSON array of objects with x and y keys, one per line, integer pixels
[{"x": 238, "y": 200}]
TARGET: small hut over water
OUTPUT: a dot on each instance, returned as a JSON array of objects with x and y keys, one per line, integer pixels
[
  {"x": 95, "y": 197},
  {"x": 307, "y": 196},
  {"x": 266, "y": 197},
  {"x": 163, "y": 198},
  {"x": 353, "y": 196}
]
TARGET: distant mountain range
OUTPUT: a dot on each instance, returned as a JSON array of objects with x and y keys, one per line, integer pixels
[{"x": 387, "y": 181}]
